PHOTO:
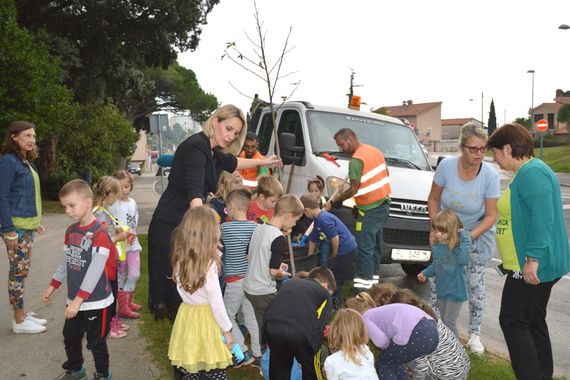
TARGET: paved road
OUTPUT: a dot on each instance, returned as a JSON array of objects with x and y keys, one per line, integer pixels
[{"x": 39, "y": 356}]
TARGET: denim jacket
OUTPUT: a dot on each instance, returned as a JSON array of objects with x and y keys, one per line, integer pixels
[{"x": 17, "y": 191}]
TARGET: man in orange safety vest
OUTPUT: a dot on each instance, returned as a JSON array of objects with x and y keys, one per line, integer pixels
[{"x": 249, "y": 150}]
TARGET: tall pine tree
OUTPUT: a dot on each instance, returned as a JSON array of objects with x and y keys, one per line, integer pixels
[{"x": 492, "y": 123}]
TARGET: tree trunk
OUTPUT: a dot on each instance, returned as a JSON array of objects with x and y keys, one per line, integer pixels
[{"x": 48, "y": 149}]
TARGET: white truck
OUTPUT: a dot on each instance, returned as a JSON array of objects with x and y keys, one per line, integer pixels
[{"x": 306, "y": 143}]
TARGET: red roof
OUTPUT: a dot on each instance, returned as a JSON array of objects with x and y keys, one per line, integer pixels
[
  {"x": 459, "y": 121},
  {"x": 411, "y": 110}
]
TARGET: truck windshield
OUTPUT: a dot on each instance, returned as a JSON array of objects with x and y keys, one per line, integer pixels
[{"x": 398, "y": 143}]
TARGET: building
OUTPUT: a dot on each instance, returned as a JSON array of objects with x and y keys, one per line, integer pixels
[
  {"x": 425, "y": 118},
  {"x": 549, "y": 112}
]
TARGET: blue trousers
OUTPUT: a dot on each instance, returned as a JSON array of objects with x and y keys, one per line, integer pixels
[{"x": 369, "y": 239}]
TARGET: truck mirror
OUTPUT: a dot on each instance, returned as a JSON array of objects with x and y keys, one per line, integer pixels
[{"x": 290, "y": 154}]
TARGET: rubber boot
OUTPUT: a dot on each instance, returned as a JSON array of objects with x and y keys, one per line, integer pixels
[
  {"x": 133, "y": 306},
  {"x": 124, "y": 310}
]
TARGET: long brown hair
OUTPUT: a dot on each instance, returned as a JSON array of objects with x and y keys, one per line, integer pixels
[
  {"x": 382, "y": 292},
  {"x": 11, "y": 146},
  {"x": 195, "y": 248},
  {"x": 106, "y": 186},
  {"x": 410, "y": 298},
  {"x": 348, "y": 333},
  {"x": 362, "y": 302}
]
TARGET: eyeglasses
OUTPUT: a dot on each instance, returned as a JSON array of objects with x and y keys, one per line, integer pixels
[{"x": 475, "y": 149}]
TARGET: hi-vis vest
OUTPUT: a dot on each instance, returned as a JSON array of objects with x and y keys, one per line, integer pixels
[
  {"x": 374, "y": 183},
  {"x": 250, "y": 175}
]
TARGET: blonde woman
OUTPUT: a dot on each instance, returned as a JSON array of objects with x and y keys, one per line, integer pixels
[{"x": 197, "y": 164}]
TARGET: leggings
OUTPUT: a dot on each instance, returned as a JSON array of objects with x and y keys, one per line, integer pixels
[
  {"x": 19, "y": 267},
  {"x": 215, "y": 374},
  {"x": 129, "y": 271}
]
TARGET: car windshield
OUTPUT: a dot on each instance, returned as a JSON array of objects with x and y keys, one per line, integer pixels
[{"x": 398, "y": 143}]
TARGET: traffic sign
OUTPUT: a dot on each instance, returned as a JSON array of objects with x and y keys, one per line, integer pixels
[{"x": 542, "y": 125}]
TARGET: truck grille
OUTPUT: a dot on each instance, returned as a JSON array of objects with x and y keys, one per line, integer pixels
[
  {"x": 408, "y": 209},
  {"x": 406, "y": 237}
]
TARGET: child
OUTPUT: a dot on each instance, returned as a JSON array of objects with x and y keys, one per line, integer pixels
[
  {"x": 105, "y": 192},
  {"x": 87, "y": 248},
  {"x": 226, "y": 183},
  {"x": 450, "y": 256},
  {"x": 327, "y": 227},
  {"x": 353, "y": 360},
  {"x": 402, "y": 332},
  {"x": 269, "y": 190},
  {"x": 268, "y": 244},
  {"x": 196, "y": 347},
  {"x": 449, "y": 361},
  {"x": 236, "y": 235},
  {"x": 382, "y": 293},
  {"x": 316, "y": 186},
  {"x": 295, "y": 322},
  {"x": 125, "y": 209}
]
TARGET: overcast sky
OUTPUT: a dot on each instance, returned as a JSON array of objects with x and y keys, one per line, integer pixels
[{"x": 427, "y": 51}]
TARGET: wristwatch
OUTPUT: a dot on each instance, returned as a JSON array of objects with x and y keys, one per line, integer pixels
[{"x": 532, "y": 260}]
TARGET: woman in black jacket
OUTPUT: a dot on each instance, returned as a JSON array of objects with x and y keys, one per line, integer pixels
[{"x": 197, "y": 164}]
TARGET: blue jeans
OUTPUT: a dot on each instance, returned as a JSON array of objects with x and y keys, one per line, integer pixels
[
  {"x": 369, "y": 239},
  {"x": 324, "y": 250}
]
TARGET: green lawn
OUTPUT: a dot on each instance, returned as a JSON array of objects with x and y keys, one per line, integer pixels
[
  {"x": 558, "y": 158},
  {"x": 157, "y": 334},
  {"x": 52, "y": 207}
]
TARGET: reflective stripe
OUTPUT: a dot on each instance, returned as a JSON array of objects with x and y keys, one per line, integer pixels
[
  {"x": 377, "y": 170},
  {"x": 374, "y": 186},
  {"x": 248, "y": 183},
  {"x": 363, "y": 281},
  {"x": 376, "y": 278},
  {"x": 362, "y": 286}
]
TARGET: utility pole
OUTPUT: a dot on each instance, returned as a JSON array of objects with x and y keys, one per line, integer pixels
[{"x": 351, "y": 87}]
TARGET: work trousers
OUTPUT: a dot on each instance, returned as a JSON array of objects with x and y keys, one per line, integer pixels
[
  {"x": 369, "y": 239},
  {"x": 287, "y": 342},
  {"x": 523, "y": 321},
  {"x": 95, "y": 325}
]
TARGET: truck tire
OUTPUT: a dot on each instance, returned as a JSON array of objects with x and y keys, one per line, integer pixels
[{"x": 412, "y": 269}]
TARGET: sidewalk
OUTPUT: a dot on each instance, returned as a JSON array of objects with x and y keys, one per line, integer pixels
[{"x": 39, "y": 356}]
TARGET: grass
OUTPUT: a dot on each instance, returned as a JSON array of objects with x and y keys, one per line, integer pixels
[
  {"x": 558, "y": 158},
  {"x": 52, "y": 207},
  {"x": 156, "y": 336}
]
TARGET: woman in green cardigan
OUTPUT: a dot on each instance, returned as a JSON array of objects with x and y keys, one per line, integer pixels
[{"x": 532, "y": 241}]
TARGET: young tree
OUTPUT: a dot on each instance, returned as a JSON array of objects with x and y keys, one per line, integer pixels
[{"x": 492, "y": 122}]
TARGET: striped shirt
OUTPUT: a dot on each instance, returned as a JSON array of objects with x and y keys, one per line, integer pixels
[{"x": 236, "y": 235}]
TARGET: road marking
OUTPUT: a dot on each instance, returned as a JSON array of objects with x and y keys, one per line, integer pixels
[
  {"x": 500, "y": 261},
  {"x": 566, "y": 207}
]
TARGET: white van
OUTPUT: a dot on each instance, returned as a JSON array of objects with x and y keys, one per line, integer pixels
[{"x": 306, "y": 132}]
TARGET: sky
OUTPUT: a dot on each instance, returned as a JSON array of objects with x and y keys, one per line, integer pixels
[{"x": 451, "y": 51}]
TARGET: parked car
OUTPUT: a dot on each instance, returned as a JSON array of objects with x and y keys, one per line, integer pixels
[{"x": 134, "y": 168}]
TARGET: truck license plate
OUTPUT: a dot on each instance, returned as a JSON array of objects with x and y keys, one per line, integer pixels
[{"x": 410, "y": 255}]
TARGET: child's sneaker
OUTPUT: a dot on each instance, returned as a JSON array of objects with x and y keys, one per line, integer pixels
[
  {"x": 247, "y": 360},
  {"x": 74, "y": 375},
  {"x": 98, "y": 376},
  {"x": 122, "y": 325},
  {"x": 256, "y": 362}
]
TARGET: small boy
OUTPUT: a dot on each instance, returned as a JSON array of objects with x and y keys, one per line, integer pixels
[
  {"x": 295, "y": 322},
  {"x": 87, "y": 247},
  {"x": 236, "y": 235},
  {"x": 269, "y": 190},
  {"x": 268, "y": 244},
  {"x": 342, "y": 244}
]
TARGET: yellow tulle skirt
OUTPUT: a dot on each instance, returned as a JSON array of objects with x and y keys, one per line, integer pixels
[{"x": 196, "y": 340}]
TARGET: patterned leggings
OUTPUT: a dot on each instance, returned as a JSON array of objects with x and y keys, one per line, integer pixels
[
  {"x": 215, "y": 374},
  {"x": 129, "y": 271},
  {"x": 482, "y": 250},
  {"x": 19, "y": 267}
]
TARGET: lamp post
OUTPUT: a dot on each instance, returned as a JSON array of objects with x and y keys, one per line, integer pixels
[{"x": 532, "y": 101}]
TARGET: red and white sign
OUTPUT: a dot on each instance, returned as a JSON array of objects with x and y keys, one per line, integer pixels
[{"x": 542, "y": 125}]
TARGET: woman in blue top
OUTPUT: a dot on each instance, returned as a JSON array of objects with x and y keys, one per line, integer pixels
[
  {"x": 470, "y": 187},
  {"x": 20, "y": 213},
  {"x": 533, "y": 244}
]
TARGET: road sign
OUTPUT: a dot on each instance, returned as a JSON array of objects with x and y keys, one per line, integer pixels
[{"x": 542, "y": 125}]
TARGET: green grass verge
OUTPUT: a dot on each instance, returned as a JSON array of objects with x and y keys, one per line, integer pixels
[
  {"x": 156, "y": 336},
  {"x": 52, "y": 207},
  {"x": 558, "y": 158}
]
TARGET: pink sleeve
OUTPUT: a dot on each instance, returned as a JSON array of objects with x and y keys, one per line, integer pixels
[{"x": 216, "y": 300}]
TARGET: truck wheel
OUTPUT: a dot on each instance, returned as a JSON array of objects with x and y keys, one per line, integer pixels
[{"x": 412, "y": 269}]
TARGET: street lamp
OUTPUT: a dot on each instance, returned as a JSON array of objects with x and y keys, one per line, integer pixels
[
  {"x": 563, "y": 27},
  {"x": 532, "y": 101}
]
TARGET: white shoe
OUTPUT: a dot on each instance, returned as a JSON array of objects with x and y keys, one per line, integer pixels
[
  {"x": 34, "y": 318},
  {"x": 475, "y": 344},
  {"x": 27, "y": 327}
]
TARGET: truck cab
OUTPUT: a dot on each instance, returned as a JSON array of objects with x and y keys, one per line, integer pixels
[{"x": 307, "y": 147}]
